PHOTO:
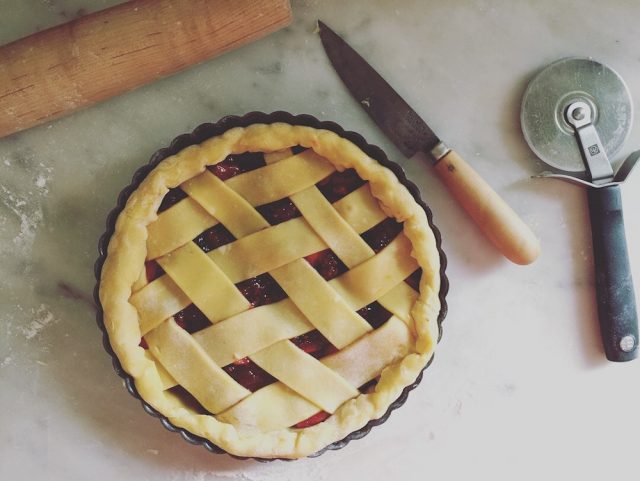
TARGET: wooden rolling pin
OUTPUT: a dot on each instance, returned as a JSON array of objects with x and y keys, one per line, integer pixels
[{"x": 71, "y": 66}]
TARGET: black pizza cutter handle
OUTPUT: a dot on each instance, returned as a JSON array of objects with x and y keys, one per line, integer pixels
[{"x": 614, "y": 283}]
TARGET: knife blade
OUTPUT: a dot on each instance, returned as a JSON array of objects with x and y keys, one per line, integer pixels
[{"x": 411, "y": 134}]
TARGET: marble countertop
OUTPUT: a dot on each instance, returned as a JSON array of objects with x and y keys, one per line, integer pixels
[{"x": 519, "y": 389}]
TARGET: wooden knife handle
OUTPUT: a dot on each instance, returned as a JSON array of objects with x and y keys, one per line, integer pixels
[
  {"x": 495, "y": 218},
  {"x": 74, "y": 65}
]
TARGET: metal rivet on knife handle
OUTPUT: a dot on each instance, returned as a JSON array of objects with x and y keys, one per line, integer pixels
[{"x": 439, "y": 151}]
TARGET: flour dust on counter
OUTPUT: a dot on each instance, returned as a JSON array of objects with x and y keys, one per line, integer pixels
[
  {"x": 22, "y": 211},
  {"x": 520, "y": 388}
]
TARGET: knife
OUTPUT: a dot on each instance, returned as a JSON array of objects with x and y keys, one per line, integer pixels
[{"x": 404, "y": 127}]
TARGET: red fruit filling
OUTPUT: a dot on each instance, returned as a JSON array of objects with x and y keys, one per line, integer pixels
[
  {"x": 171, "y": 198},
  {"x": 368, "y": 386},
  {"x": 375, "y": 314},
  {"x": 261, "y": 290},
  {"x": 380, "y": 235},
  {"x": 327, "y": 264},
  {"x": 224, "y": 170},
  {"x": 253, "y": 377},
  {"x": 152, "y": 270},
  {"x": 315, "y": 344},
  {"x": 188, "y": 400},
  {"x": 248, "y": 374},
  {"x": 339, "y": 184},
  {"x": 414, "y": 280},
  {"x": 317, "y": 418},
  {"x": 236, "y": 164},
  {"x": 231, "y": 166},
  {"x": 214, "y": 237},
  {"x": 191, "y": 319},
  {"x": 143, "y": 344},
  {"x": 279, "y": 211}
]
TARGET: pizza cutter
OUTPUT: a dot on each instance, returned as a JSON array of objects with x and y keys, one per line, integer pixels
[{"x": 576, "y": 115}]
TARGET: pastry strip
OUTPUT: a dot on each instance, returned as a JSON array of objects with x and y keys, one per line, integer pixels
[
  {"x": 340, "y": 324},
  {"x": 157, "y": 301},
  {"x": 305, "y": 375},
  {"x": 360, "y": 209},
  {"x": 320, "y": 303},
  {"x": 342, "y": 237},
  {"x": 281, "y": 179},
  {"x": 225, "y": 204},
  {"x": 188, "y": 364},
  {"x": 165, "y": 378},
  {"x": 389, "y": 268},
  {"x": 349, "y": 246},
  {"x": 365, "y": 359},
  {"x": 203, "y": 282},
  {"x": 252, "y": 331},
  {"x": 272, "y": 407},
  {"x": 399, "y": 300},
  {"x": 162, "y": 298},
  {"x": 284, "y": 243},
  {"x": 333, "y": 229},
  {"x": 276, "y": 406},
  {"x": 176, "y": 226},
  {"x": 273, "y": 157},
  {"x": 192, "y": 219}
]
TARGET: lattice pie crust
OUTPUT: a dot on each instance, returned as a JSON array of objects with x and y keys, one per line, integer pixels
[{"x": 261, "y": 423}]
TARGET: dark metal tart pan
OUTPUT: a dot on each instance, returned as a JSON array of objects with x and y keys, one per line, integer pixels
[{"x": 199, "y": 135}]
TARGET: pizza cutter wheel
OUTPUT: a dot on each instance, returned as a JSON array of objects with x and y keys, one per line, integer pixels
[{"x": 576, "y": 113}]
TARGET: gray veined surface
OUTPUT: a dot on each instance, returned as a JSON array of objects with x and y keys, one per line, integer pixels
[{"x": 519, "y": 372}]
